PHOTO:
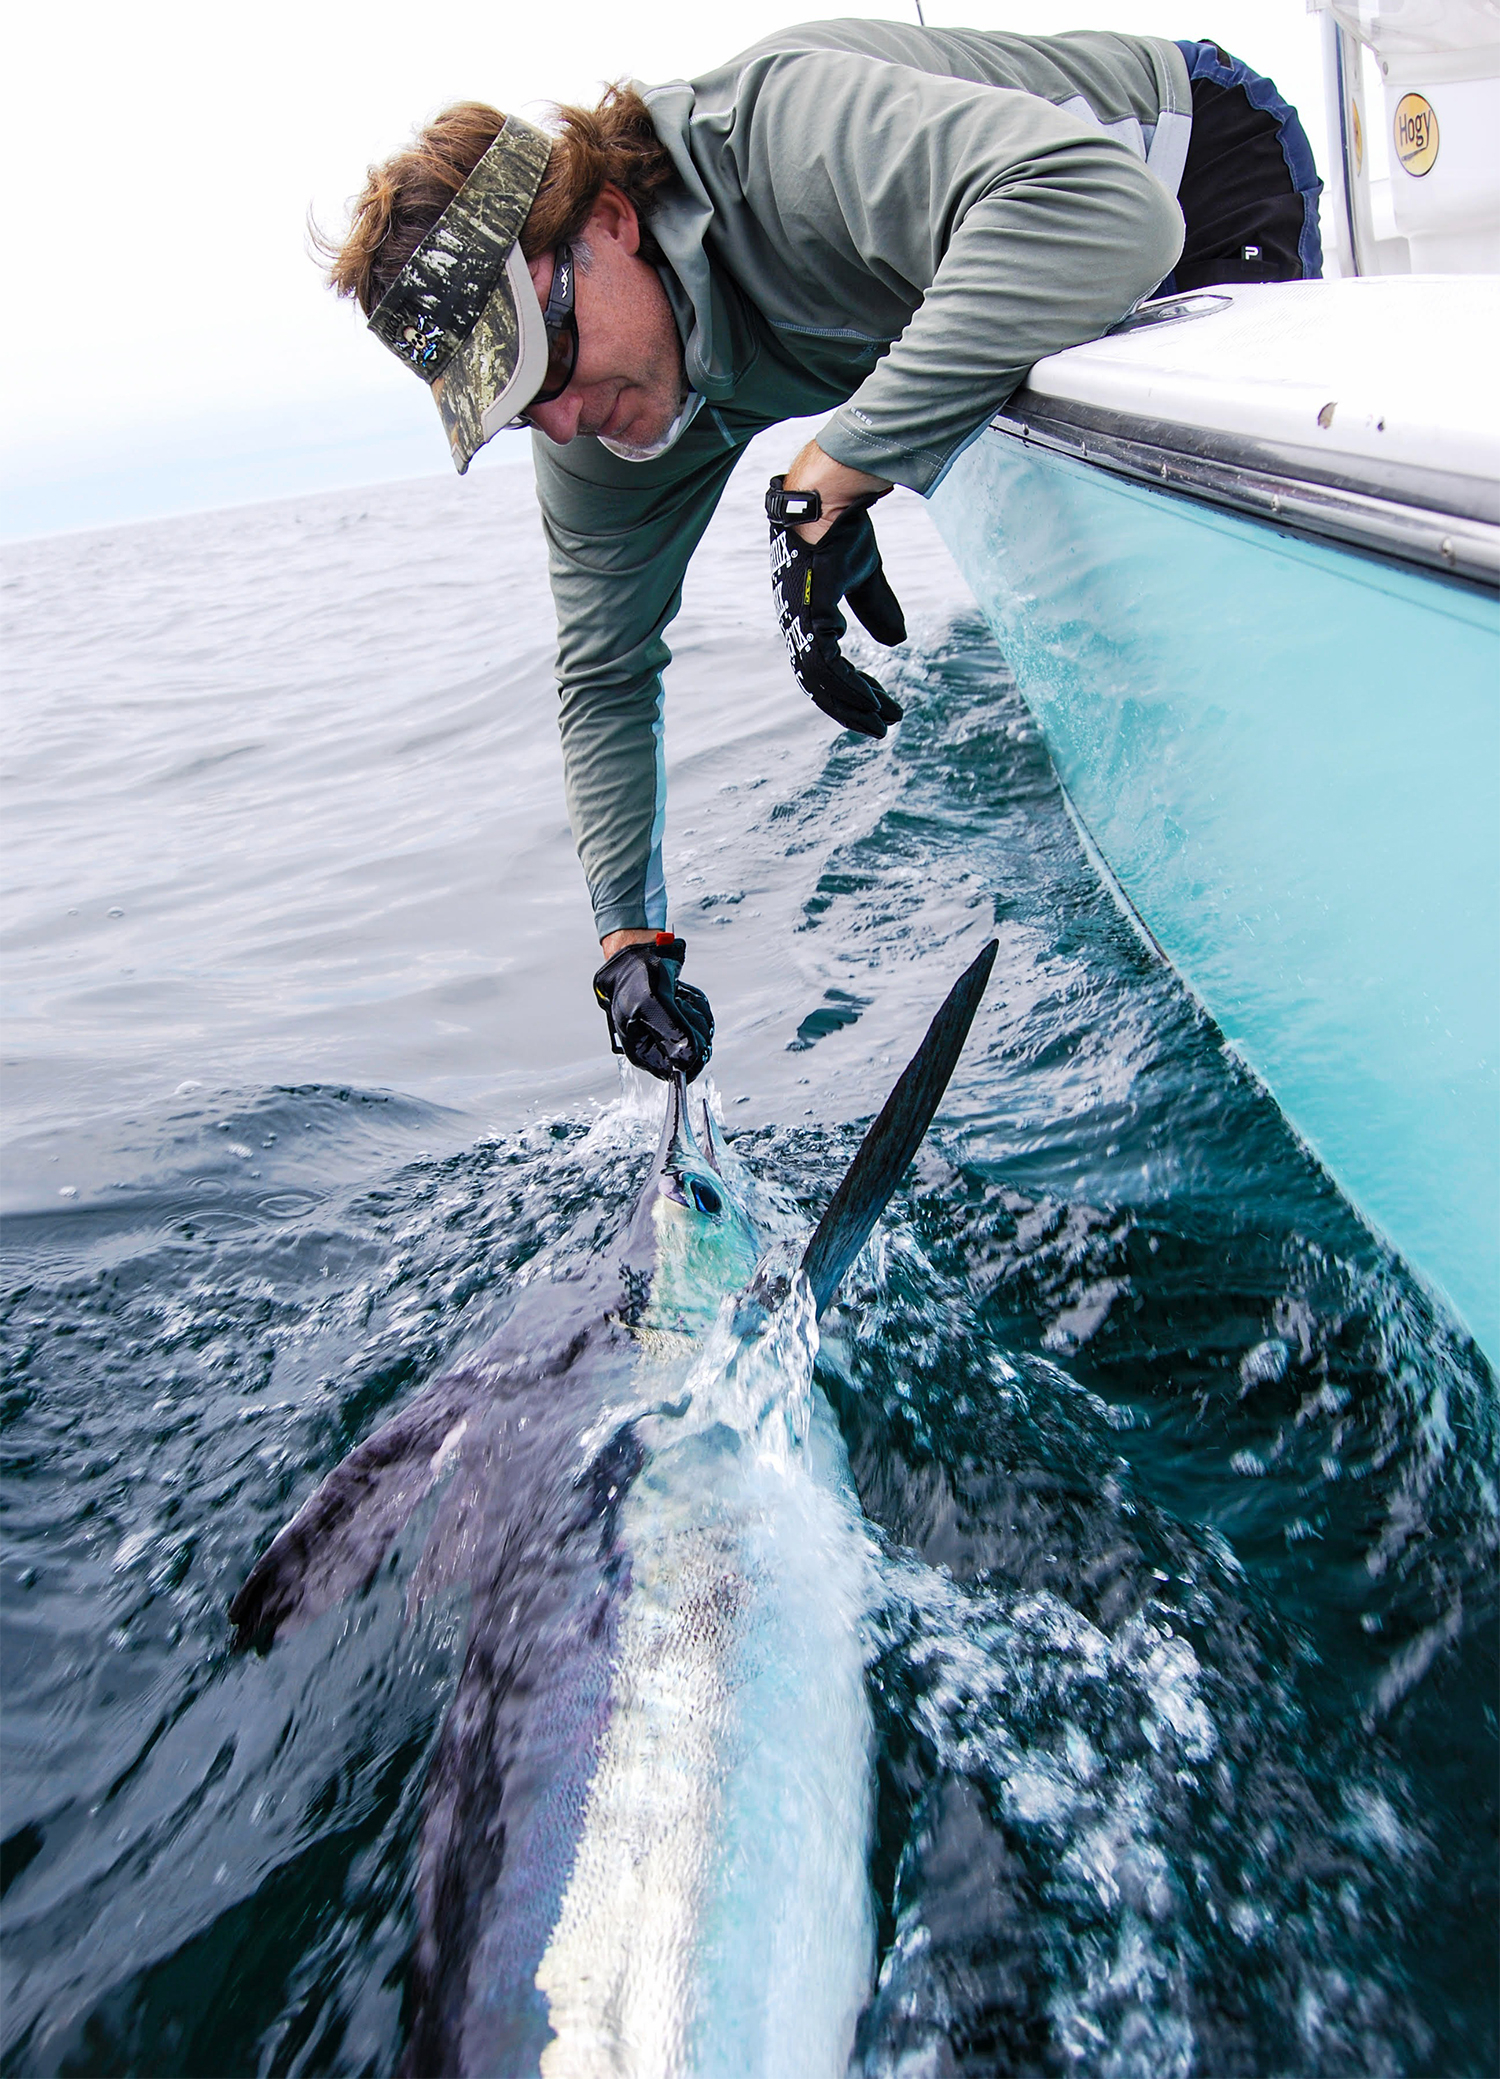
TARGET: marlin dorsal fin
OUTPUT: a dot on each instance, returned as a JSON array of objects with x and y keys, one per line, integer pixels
[{"x": 894, "y": 1138}]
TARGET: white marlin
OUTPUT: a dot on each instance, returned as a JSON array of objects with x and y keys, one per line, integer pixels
[{"x": 646, "y": 1821}]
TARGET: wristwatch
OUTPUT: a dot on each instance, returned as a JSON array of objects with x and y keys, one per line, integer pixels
[{"x": 791, "y": 508}]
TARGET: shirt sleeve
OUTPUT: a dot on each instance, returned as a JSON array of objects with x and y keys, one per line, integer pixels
[
  {"x": 619, "y": 537},
  {"x": 1008, "y": 228}
]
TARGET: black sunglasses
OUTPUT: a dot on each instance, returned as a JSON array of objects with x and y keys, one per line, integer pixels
[{"x": 562, "y": 333}]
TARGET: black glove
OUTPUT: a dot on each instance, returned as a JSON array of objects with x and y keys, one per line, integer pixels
[
  {"x": 655, "y": 1020},
  {"x": 808, "y": 581}
]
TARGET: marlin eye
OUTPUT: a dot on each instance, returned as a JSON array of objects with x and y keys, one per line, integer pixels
[{"x": 691, "y": 1191}]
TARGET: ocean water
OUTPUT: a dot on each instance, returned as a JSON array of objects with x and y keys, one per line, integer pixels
[{"x": 1181, "y": 1654}]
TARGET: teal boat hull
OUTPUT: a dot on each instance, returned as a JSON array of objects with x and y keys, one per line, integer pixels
[{"x": 1287, "y": 753}]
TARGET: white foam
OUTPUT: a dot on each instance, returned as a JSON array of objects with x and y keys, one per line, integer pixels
[{"x": 1006, "y": 1687}]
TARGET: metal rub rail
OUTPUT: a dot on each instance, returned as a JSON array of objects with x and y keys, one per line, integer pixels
[{"x": 1431, "y": 518}]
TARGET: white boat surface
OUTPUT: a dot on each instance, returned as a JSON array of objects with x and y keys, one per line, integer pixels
[{"x": 1242, "y": 555}]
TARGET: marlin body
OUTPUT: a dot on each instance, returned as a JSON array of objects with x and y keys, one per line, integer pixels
[{"x": 646, "y": 1819}]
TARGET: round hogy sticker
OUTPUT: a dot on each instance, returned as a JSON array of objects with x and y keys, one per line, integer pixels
[{"x": 1415, "y": 132}]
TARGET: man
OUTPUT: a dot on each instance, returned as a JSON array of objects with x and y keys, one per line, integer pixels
[{"x": 889, "y": 224}]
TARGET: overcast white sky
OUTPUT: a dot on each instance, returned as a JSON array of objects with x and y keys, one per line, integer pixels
[{"x": 170, "y": 344}]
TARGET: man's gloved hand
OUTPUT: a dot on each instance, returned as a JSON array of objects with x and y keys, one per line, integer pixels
[
  {"x": 658, "y": 1022},
  {"x": 808, "y": 581}
]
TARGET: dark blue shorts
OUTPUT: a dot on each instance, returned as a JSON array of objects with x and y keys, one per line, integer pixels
[{"x": 1249, "y": 190}]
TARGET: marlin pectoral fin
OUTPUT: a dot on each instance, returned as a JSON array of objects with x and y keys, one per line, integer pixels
[
  {"x": 339, "y": 1536},
  {"x": 894, "y": 1138}
]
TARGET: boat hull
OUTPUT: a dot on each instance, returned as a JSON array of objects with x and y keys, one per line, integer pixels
[{"x": 1288, "y": 755}]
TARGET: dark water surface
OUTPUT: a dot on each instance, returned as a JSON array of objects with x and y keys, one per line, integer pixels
[{"x": 1184, "y": 1673}]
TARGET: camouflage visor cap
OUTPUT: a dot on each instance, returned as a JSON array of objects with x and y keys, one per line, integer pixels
[{"x": 463, "y": 311}]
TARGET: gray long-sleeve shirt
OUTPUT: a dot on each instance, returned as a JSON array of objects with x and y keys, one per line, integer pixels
[{"x": 889, "y": 223}]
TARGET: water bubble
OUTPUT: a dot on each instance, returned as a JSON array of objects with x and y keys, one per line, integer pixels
[
  {"x": 68, "y": 1191},
  {"x": 131, "y": 1547},
  {"x": 186, "y": 1089},
  {"x": 114, "y": 913},
  {"x": 1265, "y": 1365}
]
